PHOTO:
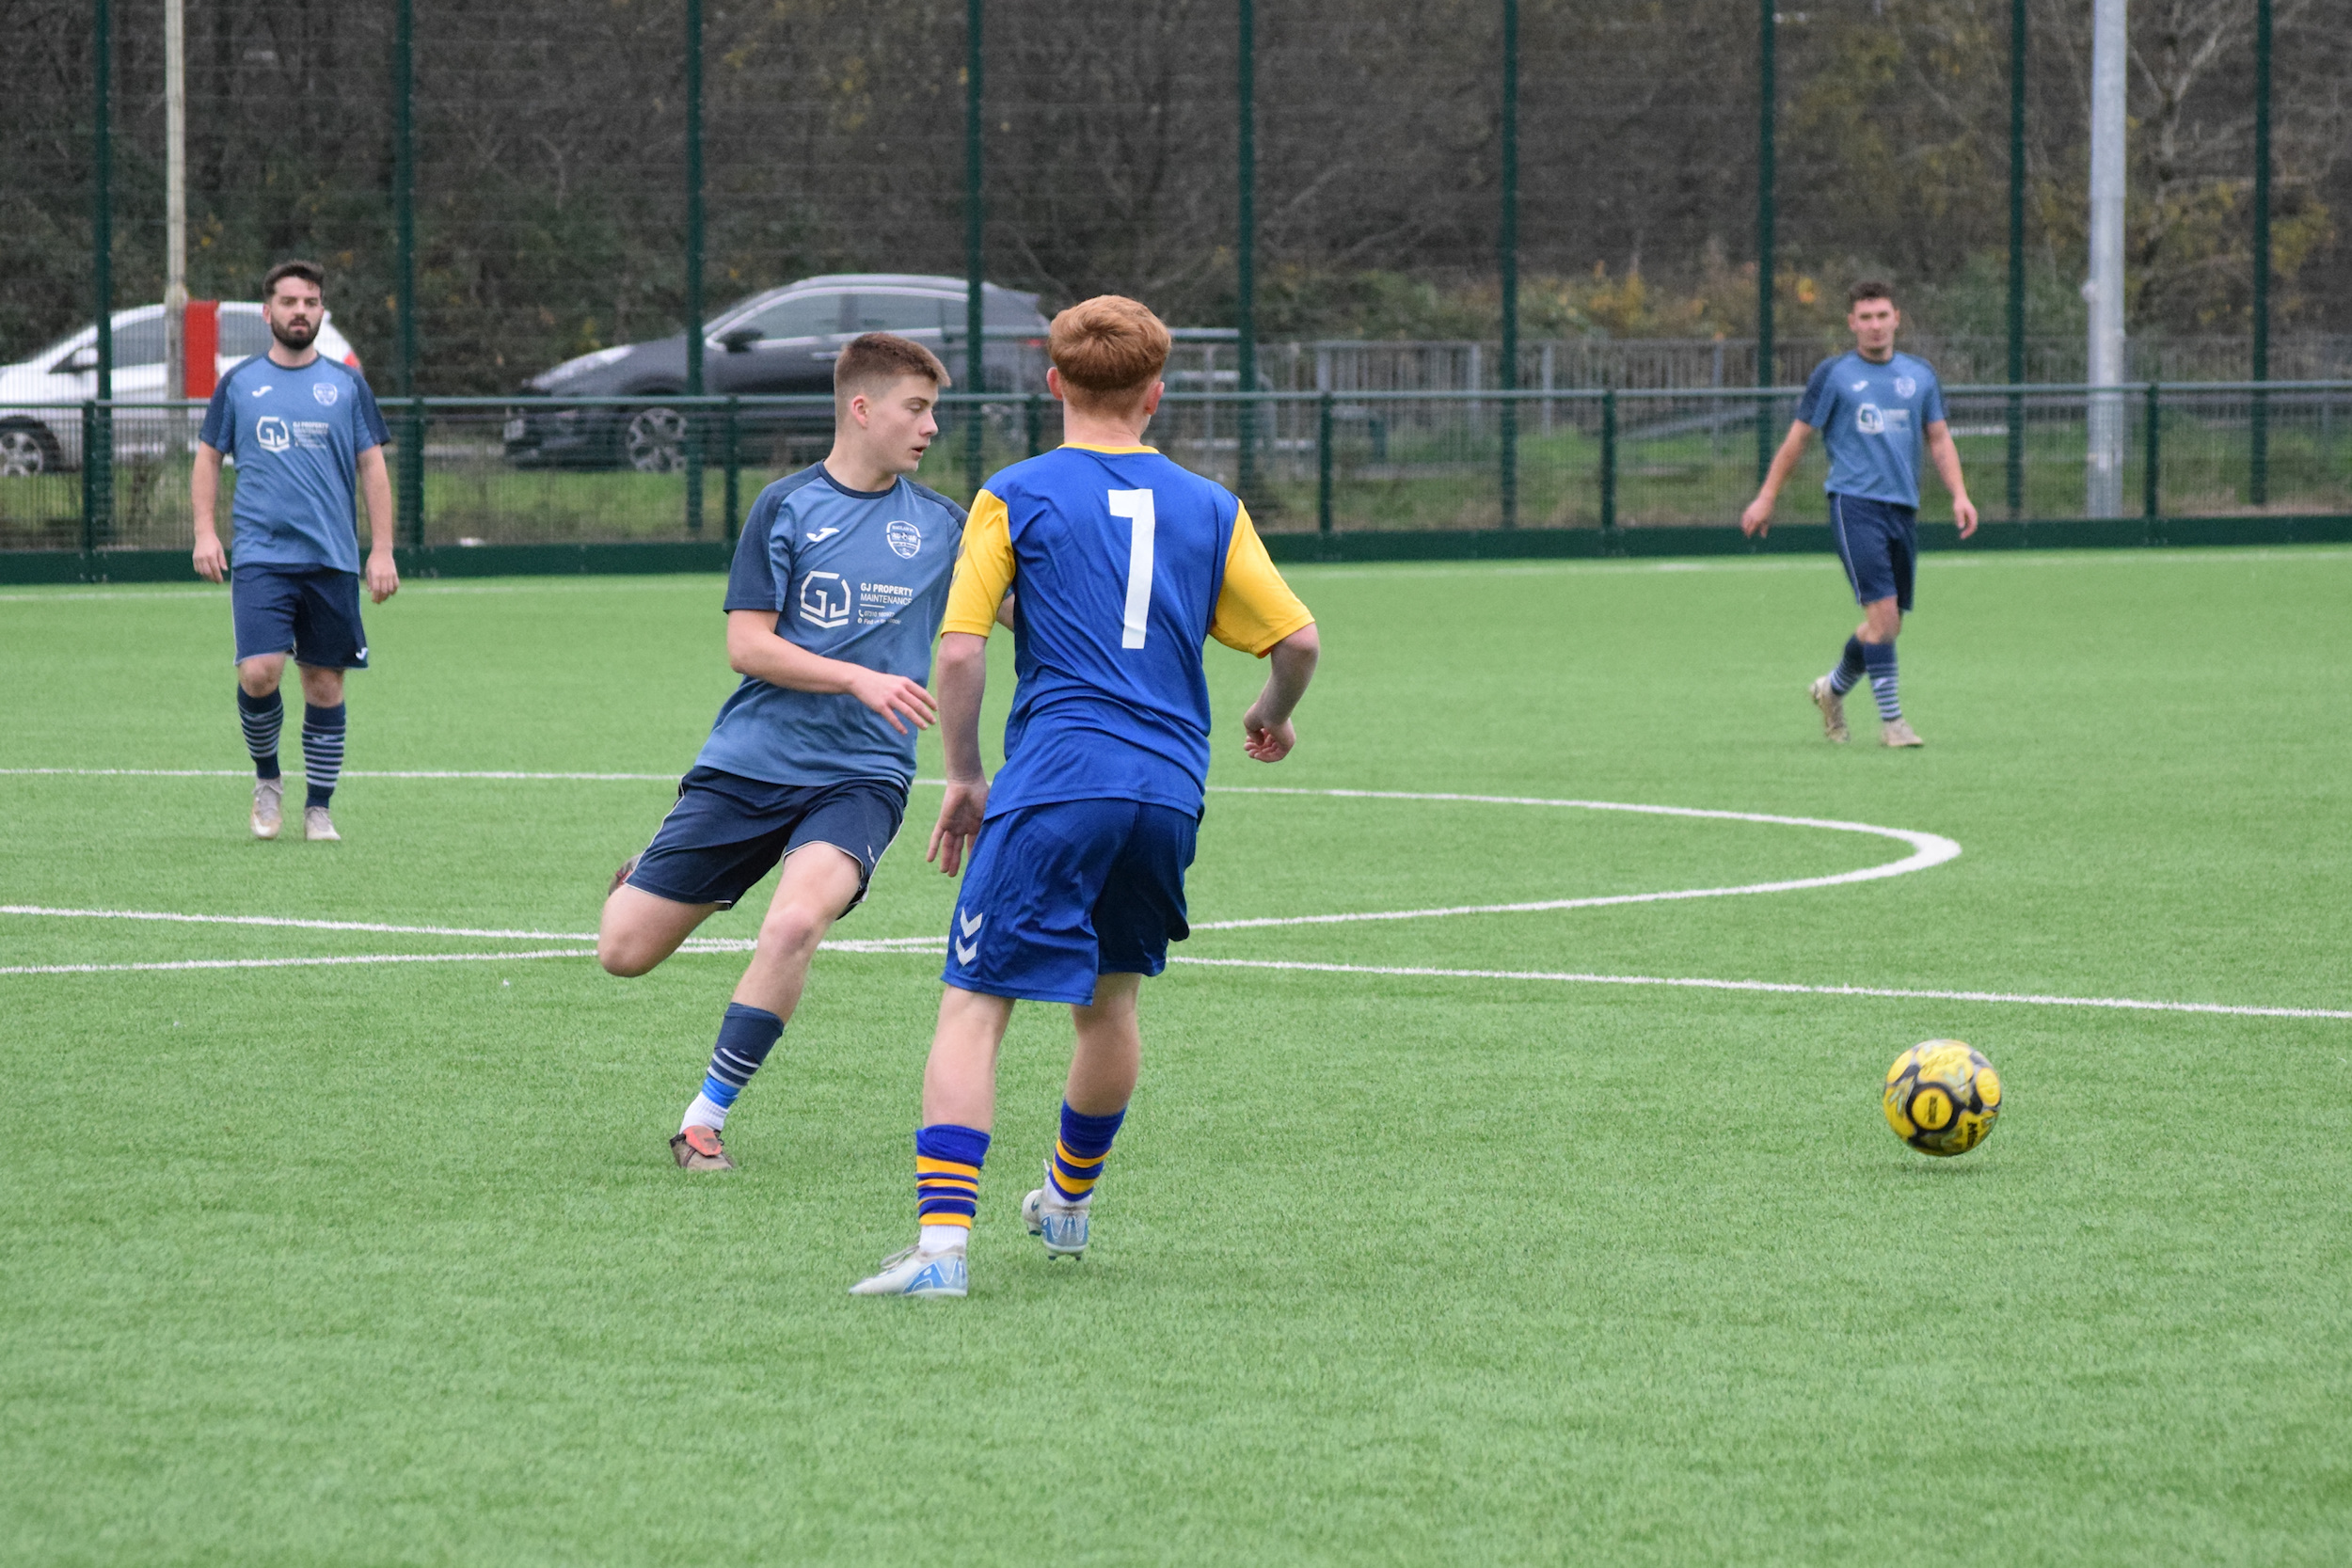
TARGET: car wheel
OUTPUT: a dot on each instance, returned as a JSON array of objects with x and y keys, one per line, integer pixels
[
  {"x": 654, "y": 441},
  {"x": 26, "y": 448}
]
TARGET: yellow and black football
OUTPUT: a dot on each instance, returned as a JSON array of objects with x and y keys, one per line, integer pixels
[{"x": 1942, "y": 1096}]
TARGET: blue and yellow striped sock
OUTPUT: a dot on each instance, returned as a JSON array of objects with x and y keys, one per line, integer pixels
[
  {"x": 1078, "y": 1156},
  {"x": 947, "y": 1160}
]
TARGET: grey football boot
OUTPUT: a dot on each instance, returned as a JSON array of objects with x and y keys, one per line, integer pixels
[{"x": 269, "y": 807}]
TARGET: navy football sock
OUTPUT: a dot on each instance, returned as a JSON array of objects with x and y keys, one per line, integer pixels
[
  {"x": 1079, "y": 1153},
  {"x": 322, "y": 751},
  {"x": 1850, "y": 666},
  {"x": 262, "y": 717},
  {"x": 746, "y": 1035},
  {"x": 1880, "y": 657}
]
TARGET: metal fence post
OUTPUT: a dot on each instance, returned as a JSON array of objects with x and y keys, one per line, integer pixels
[
  {"x": 735, "y": 467},
  {"x": 404, "y": 192},
  {"x": 695, "y": 413},
  {"x": 1246, "y": 254},
  {"x": 1609, "y": 470},
  {"x": 1033, "y": 422},
  {"x": 98, "y": 447},
  {"x": 410, "y": 507},
  {"x": 1322, "y": 467},
  {"x": 1508, "y": 457},
  {"x": 2016, "y": 257},
  {"x": 1765, "y": 94},
  {"x": 2152, "y": 461},
  {"x": 2258, "y": 467},
  {"x": 975, "y": 215}
]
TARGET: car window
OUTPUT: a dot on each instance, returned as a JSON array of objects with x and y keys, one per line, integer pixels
[
  {"x": 894, "y": 313},
  {"x": 797, "y": 316},
  {"x": 243, "y": 333},
  {"x": 139, "y": 343}
]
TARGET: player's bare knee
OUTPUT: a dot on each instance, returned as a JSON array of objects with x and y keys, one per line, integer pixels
[
  {"x": 625, "y": 954},
  {"x": 795, "y": 929}
]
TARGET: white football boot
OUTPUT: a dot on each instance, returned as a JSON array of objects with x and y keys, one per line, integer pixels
[
  {"x": 1062, "y": 1226},
  {"x": 1833, "y": 706},
  {"x": 917, "y": 1273},
  {"x": 1897, "y": 732},
  {"x": 269, "y": 806},
  {"x": 318, "y": 826}
]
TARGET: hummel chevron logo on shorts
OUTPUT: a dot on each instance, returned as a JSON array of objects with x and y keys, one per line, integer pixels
[{"x": 969, "y": 924}]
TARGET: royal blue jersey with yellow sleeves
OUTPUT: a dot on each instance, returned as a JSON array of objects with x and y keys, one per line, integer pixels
[{"x": 1123, "y": 564}]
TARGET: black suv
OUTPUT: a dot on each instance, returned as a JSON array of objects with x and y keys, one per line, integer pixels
[{"x": 778, "y": 342}]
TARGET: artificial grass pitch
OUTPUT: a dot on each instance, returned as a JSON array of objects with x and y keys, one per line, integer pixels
[{"x": 388, "y": 1263}]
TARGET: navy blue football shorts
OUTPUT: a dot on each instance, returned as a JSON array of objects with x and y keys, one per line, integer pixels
[
  {"x": 1879, "y": 542},
  {"x": 1058, "y": 894},
  {"x": 312, "y": 612},
  {"x": 727, "y": 832}
]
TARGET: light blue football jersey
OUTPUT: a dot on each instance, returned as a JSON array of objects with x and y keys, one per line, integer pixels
[
  {"x": 851, "y": 575},
  {"x": 1872, "y": 419},
  {"x": 296, "y": 437}
]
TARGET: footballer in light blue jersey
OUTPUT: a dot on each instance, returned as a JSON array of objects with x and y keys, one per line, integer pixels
[
  {"x": 1121, "y": 565},
  {"x": 308, "y": 441},
  {"x": 1875, "y": 409},
  {"x": 836, "y": 588}
]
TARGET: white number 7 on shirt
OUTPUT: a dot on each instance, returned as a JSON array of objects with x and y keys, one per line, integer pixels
[{"x": 1135, "y": 506}]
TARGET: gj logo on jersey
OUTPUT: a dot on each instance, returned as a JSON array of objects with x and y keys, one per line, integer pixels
[
  {"x": 825, "y": 600},
  {"x": 270, "y": 432},
  {"x": 1868, "y": 420},
  {"x": 326, "y": 393},
  {"x": 904, "y": 538}
]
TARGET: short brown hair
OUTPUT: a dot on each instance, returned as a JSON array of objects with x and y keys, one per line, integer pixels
[
  {"x": 1108, "y": 349},
  {"x": 1870, "y": 288},
  {"x": 309, "y": 272},
  {"x": 875, "y": 359}
]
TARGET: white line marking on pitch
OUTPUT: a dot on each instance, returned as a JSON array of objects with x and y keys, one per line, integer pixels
[
  {"x": 298, "y": 964},
  {"x": 290, "y": 922}
]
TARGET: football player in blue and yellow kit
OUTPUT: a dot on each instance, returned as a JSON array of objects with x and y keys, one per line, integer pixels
[
  {"x": 1121, "y": 565},
  {"x": 1872, "y": 405},
  {"x": 838, "y": 578},
  {"x": 308, "y": 441}
]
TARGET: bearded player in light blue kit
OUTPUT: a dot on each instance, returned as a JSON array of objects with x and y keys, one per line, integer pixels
[
  {"x": 1872, "y": 405},
  {"x": 306, "y": 433},
  {"x": 1121, "y": 565},
  {"x": 840, "y": 578}
]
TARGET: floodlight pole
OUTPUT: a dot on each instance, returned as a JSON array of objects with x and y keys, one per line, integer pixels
[
  {"x": 1246, "y": 255},
  {"x": 1509, "y": 260},
  {"x": 974, "y": 237},
  {"x": 694, "y": 264},
  {"x": 1764, "y": 261},
  {"x": 2258, "y": 467},
  {"x": 2016, "y": 257},
  {"x": 2103, "y": 479}
]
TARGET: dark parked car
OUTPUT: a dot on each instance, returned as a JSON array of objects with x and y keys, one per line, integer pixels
[{"x": 781, "y": 341}]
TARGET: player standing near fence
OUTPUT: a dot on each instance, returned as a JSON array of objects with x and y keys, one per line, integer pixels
[
  {"x": 306, "y": 434},
  {"x": 1871, "y": 406},
  {"x": 1121, "y": 565},
  {"x": 839, "y": 577}
]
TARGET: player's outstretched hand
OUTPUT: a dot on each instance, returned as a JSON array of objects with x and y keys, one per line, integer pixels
[
  {"x": 1757, "y": 519},
  {"x": 895, "y": 696},
  {"x": 212, "y": 561},
  {"x": 383, "y": 575},
  {"x": 1266, "y": 742},
  {"x": 959, "y": 823},
  {"x": 1964, "y": 513}
]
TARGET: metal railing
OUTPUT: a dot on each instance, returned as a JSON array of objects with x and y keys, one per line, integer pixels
[{"x": 487, "y": 471}]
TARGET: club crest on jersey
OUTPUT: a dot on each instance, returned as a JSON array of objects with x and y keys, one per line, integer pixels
[
  {"x": 270, "y": 432},
  {"x": 1905, "y": 387},
  {"x": 825, "y": 600},
  {"x": 1868, "y": 420},
  {"x": 903, "y": 538},
  {"x": 325, "y": 392}
]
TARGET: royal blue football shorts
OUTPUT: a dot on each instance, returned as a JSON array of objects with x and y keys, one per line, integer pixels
[
  {"x": 727, "y": 832},
  {"x": 312, "y": 612},
  {"x": 1879, "y": 542},
  {"x": 1060, "y": 892}
]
